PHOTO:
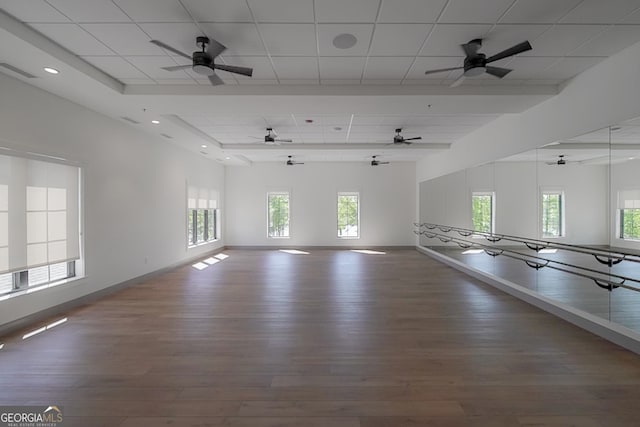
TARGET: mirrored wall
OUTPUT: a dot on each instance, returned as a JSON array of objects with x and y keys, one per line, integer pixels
[{"x": 562, "y": 220}]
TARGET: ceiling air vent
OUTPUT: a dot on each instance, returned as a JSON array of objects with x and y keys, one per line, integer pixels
[
  {"x": 166, "y": 136},
  {"x": 17, "y": 70},
  {"x": 130, "y": 120}
]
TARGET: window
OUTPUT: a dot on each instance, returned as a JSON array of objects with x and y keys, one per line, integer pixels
[
  {"x": 552, "y": 214},
  {"x": 348, "y": 215},
  {"x": 278, "y": 214},
  {"x": 482, "y": 211},
  {"x": 39, "y": 223},
  {"x": 202, "y": 216},
  {"x": 629, "y": 214}
]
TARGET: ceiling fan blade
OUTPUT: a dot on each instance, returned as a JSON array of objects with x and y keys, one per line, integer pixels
[
  {"x": 284, "y": 140},
  {"x": 458, "y": 82},
  {"x": 413, "y": 139},
  {"x": 176, "y": 67},
  {"x": 471, "y": 49},
  {"x": 497, "y": 71},
  {"x": 215, "y": 80},
  {"x": 245, "y": 71},
  {"x": 443, "y": 70},
  {"x": 169, "y": 48},
  {"x": 215, "y": 47},
  {"x": 514, "y": 50}
]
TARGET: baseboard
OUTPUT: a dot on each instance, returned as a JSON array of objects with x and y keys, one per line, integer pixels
[
  {"x": 610, "y": 331},
  {"x": 40, "y": 316},
  {"x": 344, "y": 248}
]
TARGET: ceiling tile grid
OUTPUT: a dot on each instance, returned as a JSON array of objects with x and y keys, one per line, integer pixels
[{"x": 293, "y": 39}]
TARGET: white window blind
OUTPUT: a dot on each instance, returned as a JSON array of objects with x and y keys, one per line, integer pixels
[
  {"x": 39, "y": 213},
  {"x": 629, "y": 199}
]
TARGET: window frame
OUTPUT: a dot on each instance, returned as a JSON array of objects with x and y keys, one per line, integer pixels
[
  {"x": 268, "y": 209},
  {"x": 621, "y": 224},
  {"x": 562, "y": 211},
  {"x": 358, "y": 201},
  {"x": 491, "y": 194}
]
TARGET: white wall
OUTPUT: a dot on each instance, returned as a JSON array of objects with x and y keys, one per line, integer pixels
[
  {"x": 387, "y": 197},
  {"x": 134, "y": 188},
  {"x": 517, "y": 186}
]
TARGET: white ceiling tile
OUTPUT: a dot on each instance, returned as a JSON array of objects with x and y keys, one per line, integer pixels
[
  {"x": 339, "y": 82},
  {"x": 341, "y": 68},
  {"x": 346, "y": 11},
  {"x": 611, "y": 41},
  {"x": 423, "y": 64},
  {"x": 387, "y": 67},
  {"x": 240, "y": 39},
  {"x": 151, "y": 66},
  {"x": 445, "y": 40},
  {"x": 181, "y": 36},
  {"x": 405, "y": 11},
  {"x": 381, "y": 81},
  {"x": 124, "y": 39},
  {"x": 32, "y": 11},
  {"x": 262, "y": 69},
  {"x": 90, "y": 10},
  {"x": 218, "y": 10},
  {"x": 399, "y": 39},
  {"x": 138, "y": 81},
  {"x": 289, "y": 39},
  {"x": 276, "y": 122},
  {"x": 478, "y": 12},
  {"x": 569, "y": 67},
  {"x": 282, "y": 10},
  {"x": 156, "y": 11},
  {"x": 529, "y": 67},
  {"x": 600, "y": 11},
  {"x": 299, "y": 82},
  {"x": 296, "y": 67},
  {"x": 504, "y": 36},
  {"x": 336, "y": 120},
  {"x": 176, "y": 81},
  {"x": 115, "y": 66},
  {"x": 538, "y": 11},
  {"x": 73, "y": 38},
  {"x": 327, "y": 32},
  {"x": 633, "y": 18},
  {"x": 562, "y": 39}
]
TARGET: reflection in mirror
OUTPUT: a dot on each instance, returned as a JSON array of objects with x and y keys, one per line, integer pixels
[{"x": 562, "y": 220}]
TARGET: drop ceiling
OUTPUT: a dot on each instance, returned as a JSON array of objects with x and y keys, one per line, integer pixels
[{"x": 355, "y": 97}]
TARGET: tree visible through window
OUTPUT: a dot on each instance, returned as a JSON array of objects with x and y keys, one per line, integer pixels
[
  {"x": 482, "y": 212},
  {"x": 278, "y": 206},
  {"x": 348, "y": 215},
  {"x": 630, "y": 224},
  {"x": 552, "y": 214}
]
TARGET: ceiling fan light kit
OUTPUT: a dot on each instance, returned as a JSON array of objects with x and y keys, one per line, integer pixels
[
  {"x": 203, "y": 61},
  {"x": 475, "y": 63}
]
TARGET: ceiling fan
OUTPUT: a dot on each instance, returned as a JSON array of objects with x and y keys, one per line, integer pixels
[
  {"x": 561, "y": 161},
  {"x": 203, "y": 61},
  {"x": 376, "y": 162},
  {"x": 475, "y": 63},
  {"x": 292, "y": 162},
  {"x": 271, "y": 138},
  {"x": 399, "y": 139}
]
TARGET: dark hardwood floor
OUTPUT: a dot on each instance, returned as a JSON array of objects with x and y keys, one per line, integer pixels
[{"x": 332, "y": 338}]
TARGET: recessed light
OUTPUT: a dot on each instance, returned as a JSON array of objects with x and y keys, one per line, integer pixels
[
  {"x": 203, "y": 146},
  {"x": 51, "y": 70},
  {"x": 308, "y": 121},
  {"x": 155, "y": 122},
  {"x": 227, "y": 158},
  {"x": 345, "y": 41},
  {"x": 337, "y": 128},
  {"x": 615, "y": 128}
]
